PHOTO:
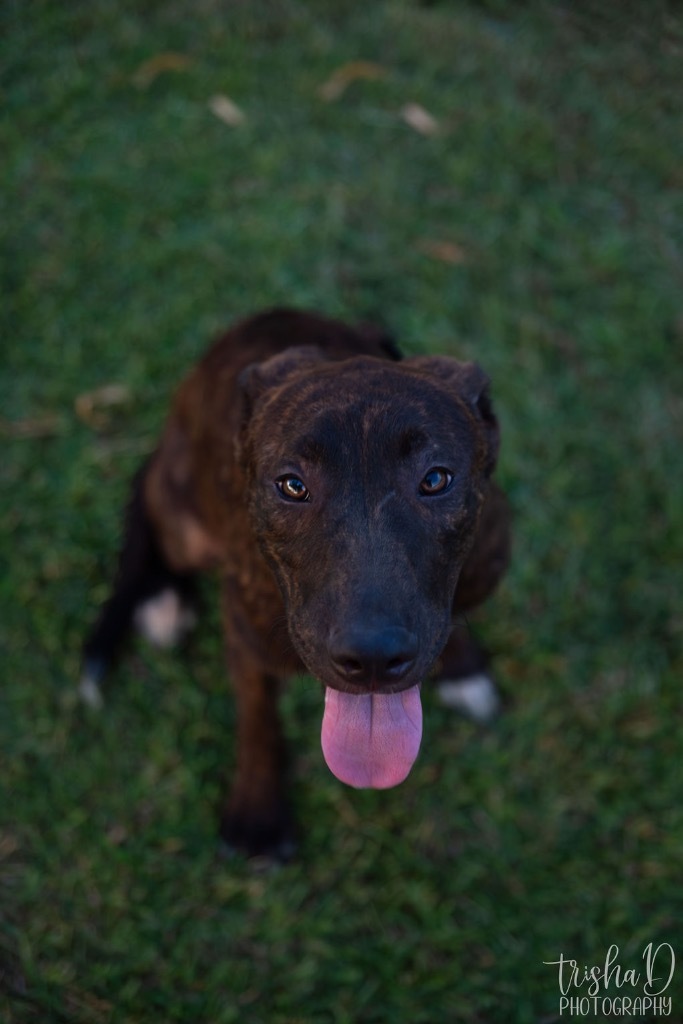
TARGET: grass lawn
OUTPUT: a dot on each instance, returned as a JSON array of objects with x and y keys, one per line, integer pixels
[{"x": 528, "y": 214}]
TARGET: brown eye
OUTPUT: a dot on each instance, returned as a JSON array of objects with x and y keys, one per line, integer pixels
[
  {"x": 292, "y": 488},
  {"x": 436, "y": 481}
]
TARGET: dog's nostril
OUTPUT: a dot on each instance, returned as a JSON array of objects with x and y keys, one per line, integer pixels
[
  {"x": 350, "y": 666},
  {"x": 399, "y": 666}
]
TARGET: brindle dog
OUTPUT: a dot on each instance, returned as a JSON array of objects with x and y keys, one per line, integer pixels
[{"x": 345, "y": 497}]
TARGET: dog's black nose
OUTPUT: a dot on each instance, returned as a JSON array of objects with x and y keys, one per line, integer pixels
[{"x": 373, "y": 656}]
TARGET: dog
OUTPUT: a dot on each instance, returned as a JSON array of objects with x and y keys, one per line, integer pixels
[{"x": 345, "y": 496}]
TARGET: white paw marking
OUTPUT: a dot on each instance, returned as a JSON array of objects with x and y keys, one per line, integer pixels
[
  {"x": 90, "y": 693},
  {"x": 164, "y": 618},
  {"x": 475, "y": 696}
]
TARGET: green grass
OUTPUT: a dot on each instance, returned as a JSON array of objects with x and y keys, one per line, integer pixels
[{"x": 134, "y": 225}]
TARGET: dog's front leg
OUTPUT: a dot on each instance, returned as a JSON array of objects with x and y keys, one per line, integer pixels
[{"x": 257, "y": 818}]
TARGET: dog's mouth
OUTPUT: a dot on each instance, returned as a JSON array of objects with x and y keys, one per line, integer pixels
[{"x": 371, "y": 740}]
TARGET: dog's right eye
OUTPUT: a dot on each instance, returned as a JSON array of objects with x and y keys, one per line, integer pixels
[{"x": 292, "y": 488}]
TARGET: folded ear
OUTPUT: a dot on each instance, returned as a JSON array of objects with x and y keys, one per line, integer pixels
[
  {"x": 472, "y": 385},
  {"x": 257, "y": 379}
]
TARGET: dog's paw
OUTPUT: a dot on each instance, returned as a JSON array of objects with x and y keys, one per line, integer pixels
[
  {"x": 90, "y": 693},
  {"x": 89, "y": 689},
  {"x": 267, "y": 836},
  {"x": 164, "y": 619},
  {"x": 476, "y": 697}
]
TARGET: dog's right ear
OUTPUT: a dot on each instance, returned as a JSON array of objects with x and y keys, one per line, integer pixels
[{"x": 257, "y": 379}]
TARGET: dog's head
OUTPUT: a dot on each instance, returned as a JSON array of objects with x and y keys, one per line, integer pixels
[{"x": 365, "y": 482}]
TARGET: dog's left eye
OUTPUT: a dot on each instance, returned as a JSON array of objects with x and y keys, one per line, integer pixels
[
  {"x": 292, "y": 488},
  {"x": 436, "y": 481}
]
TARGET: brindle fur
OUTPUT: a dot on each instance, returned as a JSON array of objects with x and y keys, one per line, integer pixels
[{"x": 295, "y": 392}]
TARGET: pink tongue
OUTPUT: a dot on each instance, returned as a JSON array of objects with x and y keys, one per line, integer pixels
[{"x": 371, "y": 740}]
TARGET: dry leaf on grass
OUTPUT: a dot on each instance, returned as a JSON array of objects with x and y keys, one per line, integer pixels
[
  {"x": 227, "y": 111},
  {"x": 339, "y": 81},
  {"x": 154, "y": 66},
  {"x": 439, "y": 249},
  {"x": 419, "y": 119},
  {"x": 48, "y": 425},
  {"x": 92, "y": 406},
  {"x": 9, "y": 844},
  {"x": 117, "y": 834},
  {"x": 104, "y": 450}
]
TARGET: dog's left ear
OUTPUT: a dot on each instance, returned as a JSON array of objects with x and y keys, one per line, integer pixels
[{"x": 473, "y": 386}]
